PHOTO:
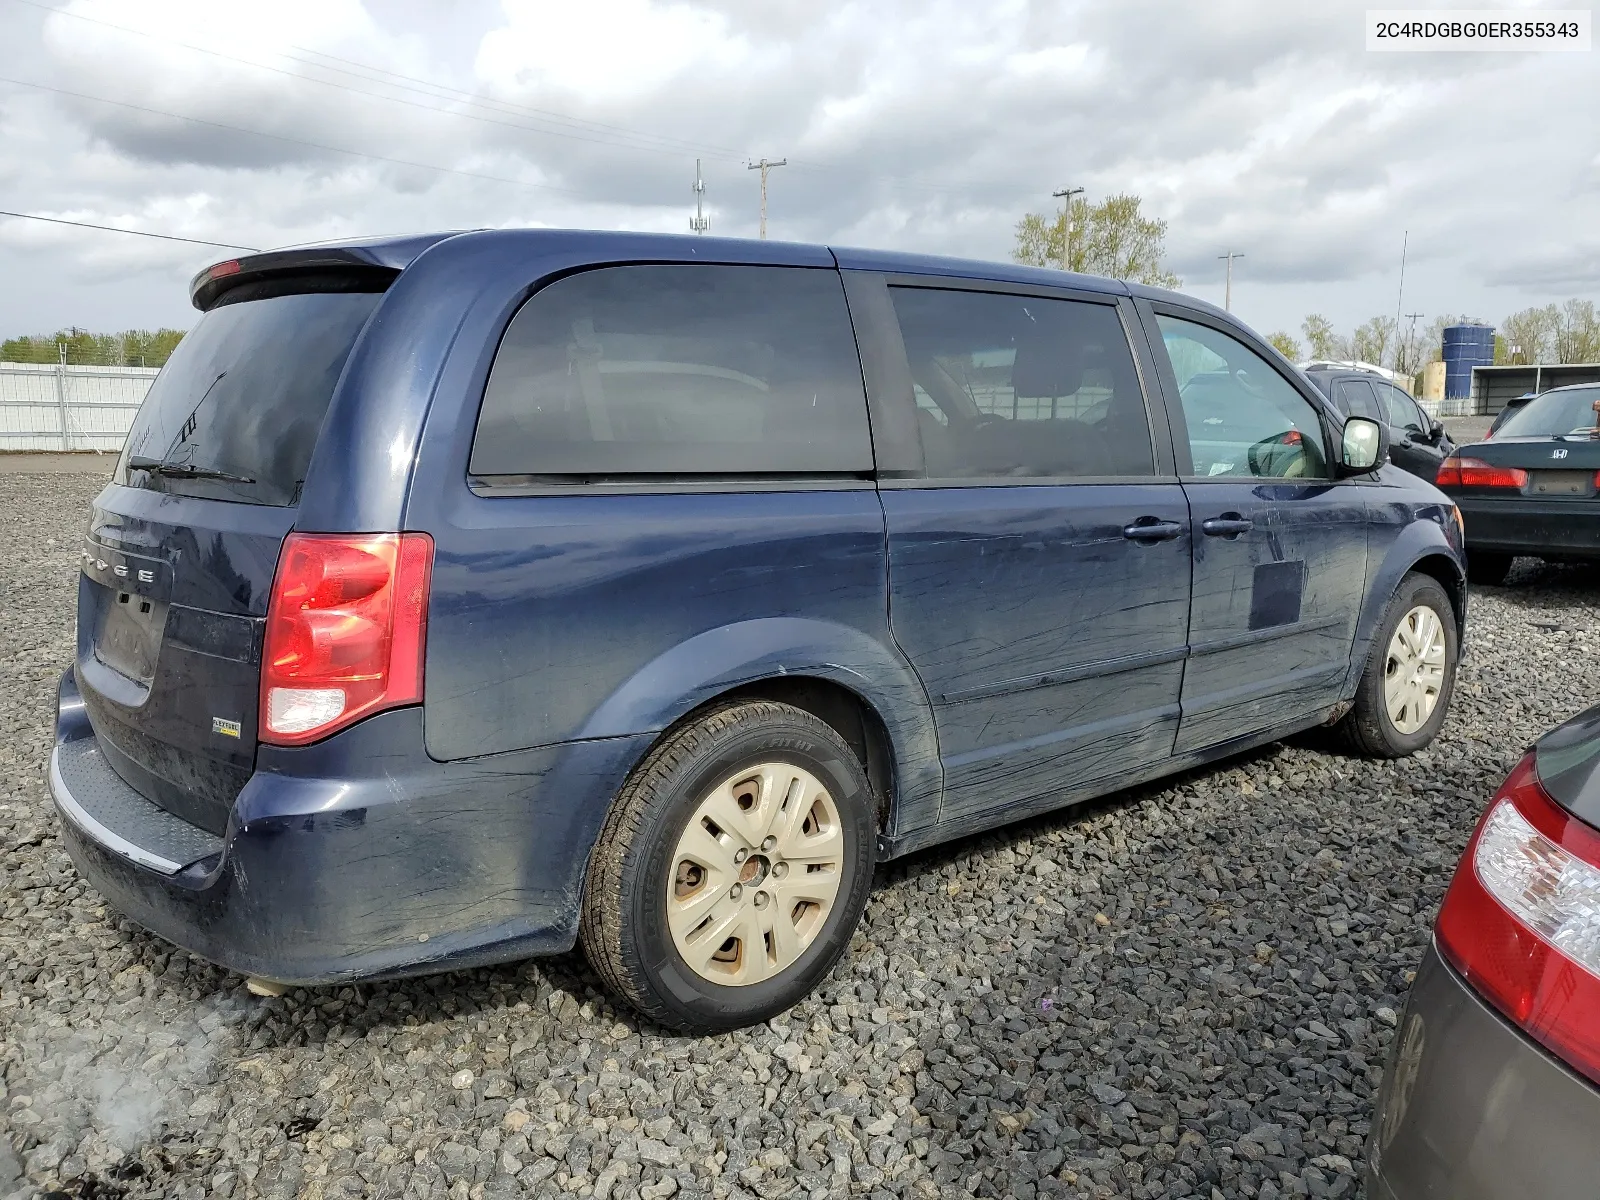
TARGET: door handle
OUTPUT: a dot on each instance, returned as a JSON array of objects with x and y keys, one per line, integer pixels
[
  {"x": 1227, "y": 525},
  {"x": 1152, "y": 529}
]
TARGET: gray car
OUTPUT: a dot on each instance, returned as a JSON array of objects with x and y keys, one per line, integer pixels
[{"x": 1493, "y": 1085}]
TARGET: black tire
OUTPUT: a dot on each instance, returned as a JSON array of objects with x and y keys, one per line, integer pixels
[
  {"x": 1486, "y": 568},
  {"x": 1367, "y": 729},
  {"x": 624, "y": 927}
]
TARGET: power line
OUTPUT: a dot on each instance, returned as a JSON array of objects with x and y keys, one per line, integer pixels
[
  {"x": 165, "y": 237},
  {"x": 278, "y": 137}
]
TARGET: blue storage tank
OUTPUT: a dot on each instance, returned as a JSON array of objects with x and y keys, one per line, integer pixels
[{"x": 1465, "y": 347}]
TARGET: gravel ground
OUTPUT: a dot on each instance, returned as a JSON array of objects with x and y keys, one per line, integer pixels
[{"x": 1186, "y": 990}]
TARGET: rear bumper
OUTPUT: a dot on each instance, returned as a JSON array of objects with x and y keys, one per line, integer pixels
[
  {"x": 355, "y": 858},
  {"x": 1565, "y": 528},
  {"x": 1470, "y": 1109}
]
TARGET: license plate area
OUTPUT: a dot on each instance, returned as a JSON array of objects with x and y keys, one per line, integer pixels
[
  {"x": 1562, "y": 483},
  {"x": 128, "y": 639}
]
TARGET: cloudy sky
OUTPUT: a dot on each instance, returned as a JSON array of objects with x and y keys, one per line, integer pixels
[{"x": 913, "y": 124}]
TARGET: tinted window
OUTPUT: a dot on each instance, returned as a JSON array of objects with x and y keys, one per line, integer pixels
[
  {"x": 1022, "y": 386},
  {"x": 1398, "y": 408},
  {"x": 1243, "y": 417},
  {"x": 677, "y": 370},
  {"x": 1554, "y": 412},
  {"x": 1356, "y": 398},
  {"x": 245, "y": 393}
]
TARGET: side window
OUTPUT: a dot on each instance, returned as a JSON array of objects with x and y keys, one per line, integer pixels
[
  {"x": 1356, "y": 398},
  {"x": 1022, "y": 386},
  {"x": 1243, "y": 417},
  {"x": 677, "y": 370},
  {"x": 1398, "y": 408}
]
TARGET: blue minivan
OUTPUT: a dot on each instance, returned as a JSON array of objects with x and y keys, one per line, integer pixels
[{"x": 460, "y": 598}]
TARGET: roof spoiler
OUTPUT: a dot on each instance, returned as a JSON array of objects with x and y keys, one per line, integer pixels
[
  {"x": 208, "y": 287},
  {"x": 361, "y": 265}
]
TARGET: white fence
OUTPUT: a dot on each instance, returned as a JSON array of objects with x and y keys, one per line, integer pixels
[{"x": 49, "y": 407}]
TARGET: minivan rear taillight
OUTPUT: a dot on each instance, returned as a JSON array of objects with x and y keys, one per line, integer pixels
[
  {"x": 346, "y": 627},
  {"x": 1521, "y": 920}
]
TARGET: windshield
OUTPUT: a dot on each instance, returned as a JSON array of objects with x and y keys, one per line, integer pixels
[
  {"x": 1553, "y": 413},
  {"x": 244, "y": 395}
]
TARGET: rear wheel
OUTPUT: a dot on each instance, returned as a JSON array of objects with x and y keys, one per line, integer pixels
[
  {"x": 732, "y": 868},
  {"x": 1409, "y": 676},
  {"x": 1488, "y": 569}
]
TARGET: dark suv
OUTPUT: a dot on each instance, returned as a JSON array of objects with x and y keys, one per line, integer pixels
[
  {"x": 1417, "y": 442},
  {"x": 458, "y": 598}
]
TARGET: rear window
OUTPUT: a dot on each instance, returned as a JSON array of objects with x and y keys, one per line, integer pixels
[
  {"x": 677, "y": 371},
  {"x": 244, "y": 395},
  {"x": 1553, "y": 413}
]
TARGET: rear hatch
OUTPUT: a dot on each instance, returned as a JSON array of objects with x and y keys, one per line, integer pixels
[{"x": 181, "y": 548}]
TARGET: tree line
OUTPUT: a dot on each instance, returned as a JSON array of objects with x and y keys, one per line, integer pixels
[
  {"x": 1113, "y": 238},
  {"x": 1554, "y": 333},
  {"x": 130, "y": 348}
]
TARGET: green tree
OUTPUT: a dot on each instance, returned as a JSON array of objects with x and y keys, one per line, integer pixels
[
  {"x": 1324, "y": 343},
  {"x": 131, "y": 348},
  {"x": 1372, "y": 340},
  {"x": 1577, "y": 334},
  {"x": 1284, "y": 343},
  {"x": 1112, "y": 238},
  {"x": 1531, "y": 335}
]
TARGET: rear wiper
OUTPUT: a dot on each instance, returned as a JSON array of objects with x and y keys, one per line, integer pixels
[{"x": 157, "y": 466}]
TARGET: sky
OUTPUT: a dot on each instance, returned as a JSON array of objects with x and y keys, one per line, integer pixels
[{"x": 1262, "y": 128}]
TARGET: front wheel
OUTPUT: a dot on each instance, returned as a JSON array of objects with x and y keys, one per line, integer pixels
[
  {"x": 732, "y": 868},
  {"x": 1409, "y": 676}
]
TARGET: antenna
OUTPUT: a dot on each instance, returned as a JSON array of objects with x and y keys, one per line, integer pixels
[
  {"x": 1400, "y": 296},
  {"x": 699, "y": 223}
]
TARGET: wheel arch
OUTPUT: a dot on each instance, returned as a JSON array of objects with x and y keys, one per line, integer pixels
[
  {"x": 853, "y": 682},
  {"x": 1422, "y": 546},
  {"x": 1444, "y": 569}
]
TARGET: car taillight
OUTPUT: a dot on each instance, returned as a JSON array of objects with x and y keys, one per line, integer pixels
[
  {"x": 1521, "y": 920},
  {"x": 1457, "y": 471},
  {"x": 346, "y": 627}
]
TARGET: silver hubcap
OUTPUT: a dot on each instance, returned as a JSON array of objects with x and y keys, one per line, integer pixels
[
  {"x": 755, "y": 874},
  {"x": 1414, "y": 673}
]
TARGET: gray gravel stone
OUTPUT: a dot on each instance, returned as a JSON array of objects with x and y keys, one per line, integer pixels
[{"x": 1184, "y": 990}]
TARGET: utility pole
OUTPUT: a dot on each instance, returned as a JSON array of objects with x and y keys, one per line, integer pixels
[
  {"x": 1066, "y": 248},
  {"x": 1400, "y": 297},
  {"x": 698, "y": 223},
  {"x": 1227, "y": 291},
  {"x": 1410, "y": 333},
  {"x": 764, "y": 166}
]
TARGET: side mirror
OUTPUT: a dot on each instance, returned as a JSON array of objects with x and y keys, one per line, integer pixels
[{"x": 1363, "y": 447}]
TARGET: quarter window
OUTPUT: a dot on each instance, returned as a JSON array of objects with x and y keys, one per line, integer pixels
[
  {"x": 677, "y": 371},
  {"x": 1022, "y": 386},
  {"x": 1356, "y": 398},
  {"x": 1399, "y": 410},
  {"x": 1244, "y": 418}
]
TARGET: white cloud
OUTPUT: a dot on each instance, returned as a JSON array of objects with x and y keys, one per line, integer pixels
[{"x": 934, "y": 125}]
